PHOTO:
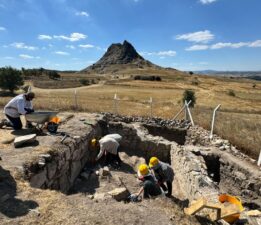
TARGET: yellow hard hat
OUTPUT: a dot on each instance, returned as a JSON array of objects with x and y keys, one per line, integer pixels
[
  {"x": 143, "y": 169},
  {"x": 93, "y": 141},
  {"x": 153, "y": 162}
]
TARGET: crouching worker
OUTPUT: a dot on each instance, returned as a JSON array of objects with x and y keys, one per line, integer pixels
[
  {"x": 109, "y": 145},
  {"x": 163, "y": 173},
  {"x": 149, "y": 188},
  {"x": 20, "y": 105}
]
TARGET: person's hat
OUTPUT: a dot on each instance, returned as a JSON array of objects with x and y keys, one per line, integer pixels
[
  {"x": 154, "y": 162},
  {"x": 93, "y": 141},
  {"x": 143, "y": 170}
]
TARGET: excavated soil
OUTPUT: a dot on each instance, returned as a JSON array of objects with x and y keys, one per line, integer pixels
[{"x": 87, "y": 201}]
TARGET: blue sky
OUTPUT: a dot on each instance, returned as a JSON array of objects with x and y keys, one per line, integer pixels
[{"x": 183, "y": 34}]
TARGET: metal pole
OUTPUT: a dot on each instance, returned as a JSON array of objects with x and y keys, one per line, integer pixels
[
  {"x": 190, "y": 116},
  {"x": 213, "y": 121},
  {"x": 181, "y": 110},
  {"x": 259, "y": 159},
  {"x": 75, "y": 99}
]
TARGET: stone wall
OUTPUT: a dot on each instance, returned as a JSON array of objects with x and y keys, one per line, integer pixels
[
  {"x": 60, "y": 167},
  {"x": 137, "y": 141},
  {"x": 191, "y": 174}
]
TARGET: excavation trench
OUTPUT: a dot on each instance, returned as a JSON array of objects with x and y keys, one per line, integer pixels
[{"x": 198, "y": 171}]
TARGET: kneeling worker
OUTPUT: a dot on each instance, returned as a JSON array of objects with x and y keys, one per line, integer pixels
[
  {"x": 109, "y": 148},
  {"x": 150, "y": 188},
  {"x": 20, "y": 105},
  {"x": 164, "y": 173}
]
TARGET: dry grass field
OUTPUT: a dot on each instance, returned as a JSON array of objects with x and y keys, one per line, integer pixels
[{"x": 238, "y": 120}]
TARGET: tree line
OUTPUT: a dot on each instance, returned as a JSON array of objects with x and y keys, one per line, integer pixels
[{"x": 11, "y": 79}]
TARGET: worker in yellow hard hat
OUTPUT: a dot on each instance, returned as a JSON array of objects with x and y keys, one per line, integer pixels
[
  {"x": 149, "y": 188},
  {"x": 108, "y": 147},
  {"x": 164, "y": 174}
]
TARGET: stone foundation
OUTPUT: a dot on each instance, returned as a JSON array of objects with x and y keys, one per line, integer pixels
[{"x": 199, "y": 170}]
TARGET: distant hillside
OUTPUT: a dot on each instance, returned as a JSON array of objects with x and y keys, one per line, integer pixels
[
  {"x": 230, "y": 73},
  {"x": 117, "y": 57}
]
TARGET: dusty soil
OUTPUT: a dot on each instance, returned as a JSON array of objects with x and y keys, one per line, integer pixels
[{"x": 25, "y": 205}]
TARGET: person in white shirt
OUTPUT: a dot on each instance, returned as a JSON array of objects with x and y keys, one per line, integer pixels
[
  {"x": 20, "y": 105},
  {"x": 109, "y": 145}
]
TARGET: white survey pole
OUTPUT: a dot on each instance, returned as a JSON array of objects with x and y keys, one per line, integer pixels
[
  {"x": 188, "y": 111},
  {"x": 29, "y": 89},
  {"x": 259, "y": 159},
  {"x": 150, "y": 101},
  {"x": 115, "y": 100},
  {"x": 213, "y": 121},
  {"x": 75, "y": 99},
  {"x": 181, "y": 110}
]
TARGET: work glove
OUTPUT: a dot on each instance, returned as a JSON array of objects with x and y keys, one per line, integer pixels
[{"x": 133, "y": 198}]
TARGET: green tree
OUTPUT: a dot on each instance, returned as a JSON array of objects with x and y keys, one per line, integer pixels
[
  {"x": 53, "y": 75},
  {"x": 189, "y": 95},
  {"x": 84, "y": 81},
  {"x": 10, "y": 79}
]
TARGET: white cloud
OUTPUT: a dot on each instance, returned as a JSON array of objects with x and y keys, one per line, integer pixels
[
  {"x": 229, "y": 45},
  {"x": 61, "y": 53},
  {"x": 219, "y": 45},
  {"x": 72, "y": 37},
  {"x": 200, "y": 36},
  {"x": 197, "y": 47},
  {"x": 44, "y": 37},
  {"x": 169, "y": 53},
  {"x": 86, "y": 46},
  {"x": 21, "y": 45},
  {"x": 2, "y": 28},
  {"x": 24, "y": 56},
  {"x": 204, "y": 2},
  {"x": 70, "y": 46},
  {"x": 82, "y": 13},
  {"x": 255, "y": 44}
]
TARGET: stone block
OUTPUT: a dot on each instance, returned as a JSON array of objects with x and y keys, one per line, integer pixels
[
  {"x": 26, "y": 139},
  {"x": 105, "y": 171},
  {"x": 75, "y": 170},
  {"x": 119, "y": 194},
  {"x": 38, "y": 179},
  {"x": 51, "y": 170}
]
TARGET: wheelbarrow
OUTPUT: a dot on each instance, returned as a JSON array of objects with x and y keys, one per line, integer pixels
[{"x": 41, "y": 118}]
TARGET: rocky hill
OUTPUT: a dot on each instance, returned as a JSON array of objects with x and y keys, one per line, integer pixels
[{"x": 119, "y": 56}]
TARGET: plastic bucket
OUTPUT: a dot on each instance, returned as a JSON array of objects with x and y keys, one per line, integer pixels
[{"x": 233, "y": 200}]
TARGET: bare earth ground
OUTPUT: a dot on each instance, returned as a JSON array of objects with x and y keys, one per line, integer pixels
[
  {"x": 34, "y": 206},
  {"x": 22, "y": 204}
]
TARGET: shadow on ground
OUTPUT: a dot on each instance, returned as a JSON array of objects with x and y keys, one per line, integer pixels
[{"x": 11, "y": 206}]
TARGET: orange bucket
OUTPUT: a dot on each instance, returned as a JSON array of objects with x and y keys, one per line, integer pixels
[{"x": 233, "y": 200}]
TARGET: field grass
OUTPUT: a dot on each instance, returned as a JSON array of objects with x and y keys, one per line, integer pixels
[{"x": 239, "y": 119}]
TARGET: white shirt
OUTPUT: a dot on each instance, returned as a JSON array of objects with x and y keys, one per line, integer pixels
[
  {"x": 116, "y": 137},
  {"x": 15, "y": 107},
  {"x": 107, "y": 144}
]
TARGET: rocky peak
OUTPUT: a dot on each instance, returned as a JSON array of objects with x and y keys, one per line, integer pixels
[{"x": 119, "y": 54}]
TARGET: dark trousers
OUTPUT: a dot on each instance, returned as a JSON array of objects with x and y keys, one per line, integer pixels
[
  {"x": 111, "y": 158},
  {"x": 15, "y": 122},
  {"x": 168, "y": 188}
]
